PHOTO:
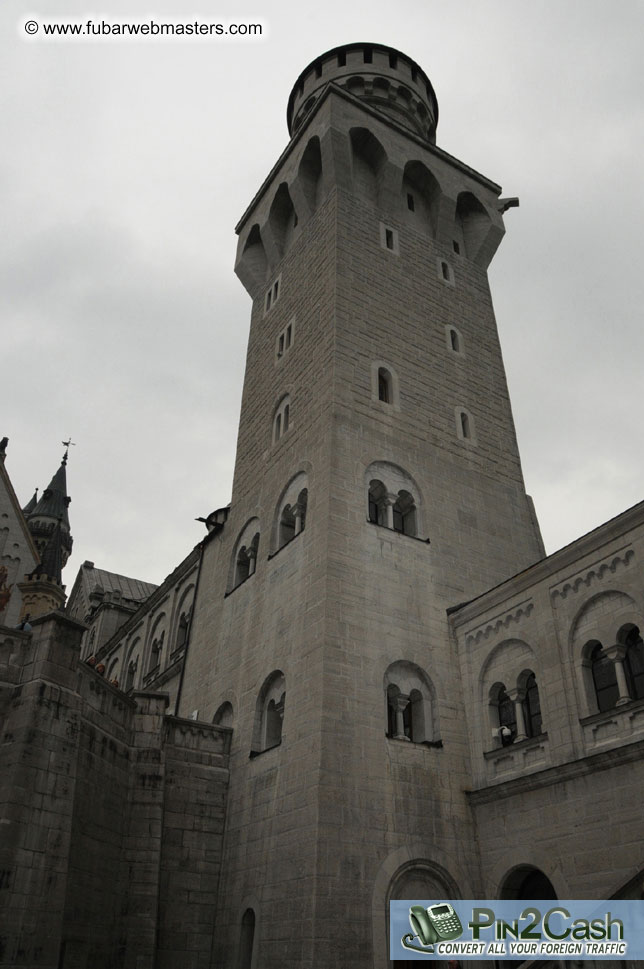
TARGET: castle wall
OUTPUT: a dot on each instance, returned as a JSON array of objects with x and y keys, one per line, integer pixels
[{"x": 102, "y": 796}]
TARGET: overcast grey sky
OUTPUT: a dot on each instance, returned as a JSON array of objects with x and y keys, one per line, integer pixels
[{"x": 126, "y": 166}]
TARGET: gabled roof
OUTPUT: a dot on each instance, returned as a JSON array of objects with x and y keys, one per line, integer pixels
[
  {"x": 102, "y": 580},
  {"x": 91, "y": 581}
]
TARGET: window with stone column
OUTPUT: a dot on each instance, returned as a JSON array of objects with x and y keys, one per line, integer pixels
[
  {"x": 244, "y": 558},
  {"x": 516, "y": 712},
  {"x": 392, "y": 509},
  {"x": 269, "y": 714},
  {"x": 410, "y": 699},
  {"x": 290, "y": 512}
]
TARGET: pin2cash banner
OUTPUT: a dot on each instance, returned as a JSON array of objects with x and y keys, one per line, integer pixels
[{"x": 541, "y": 929}]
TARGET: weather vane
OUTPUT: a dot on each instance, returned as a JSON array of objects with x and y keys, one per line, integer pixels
[{"x": 67, "y": 445}]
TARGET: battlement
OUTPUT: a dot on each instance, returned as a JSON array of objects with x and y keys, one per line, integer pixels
[{"x": 388, "y": 80}]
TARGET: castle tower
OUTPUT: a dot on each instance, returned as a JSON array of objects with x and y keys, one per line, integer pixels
[
  {"x": 45, "y": 514},
  {"x": 377, "y": 483},
  {"x": 48, "y": 521}
]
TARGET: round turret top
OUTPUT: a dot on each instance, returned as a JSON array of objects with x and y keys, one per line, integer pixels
[{"x": 385, "y": 78}]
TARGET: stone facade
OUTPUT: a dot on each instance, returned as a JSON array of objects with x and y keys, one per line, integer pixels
[
  {"x": 113, "y": 815},
  {"x": 383, "y": 688}
]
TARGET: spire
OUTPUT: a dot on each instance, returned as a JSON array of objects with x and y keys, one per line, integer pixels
[{"x": 44, "y": 514}]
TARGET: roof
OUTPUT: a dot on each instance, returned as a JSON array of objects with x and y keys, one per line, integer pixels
[{"x": 101, "y": 580}]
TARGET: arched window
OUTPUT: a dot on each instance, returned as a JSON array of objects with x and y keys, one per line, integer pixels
[
  {"x": 131, "y": 674},
  {"x": 269, "y": 713},
  {"x": 507, "y": 718},
  {"x": 404, "y": 514},
  {"x": 291, "y": 511},
  {"x": 155, "y": 652},
  {"x": 411, "y": 704},
  {"x": 281, "y": 419},
  {"x": 397, "y": 512},
  {"x": 246, "y": 940},
  {"x": 532, "y": 707},
  {"x": 604, "y": 679},
  {"x": 527, "y": 882},
  {"x": 244, "y": 558},
  {"x": 385, "y": 393},
  {"x": 465, "y": 430},
  {"x": 634, "y": 663},
  {"x": 224, "y": 715},
  {"x": 182, "y": 631}
]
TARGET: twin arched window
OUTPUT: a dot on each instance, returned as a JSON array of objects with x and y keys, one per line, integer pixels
[
  {"x": 269, "y": 713},
  {"x": 392, "y": 510},
  {"x": 517, "y": 712},
  {"x": 411, "y": 704},
  {"x": 293, "y": 518},
  {"x": 617, "y": 672},
  {"x": 246, "y": 561}
]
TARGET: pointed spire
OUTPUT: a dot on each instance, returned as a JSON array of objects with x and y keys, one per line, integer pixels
[{"x": 45, "y": 513}]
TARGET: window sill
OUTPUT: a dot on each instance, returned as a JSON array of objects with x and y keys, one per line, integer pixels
[
  {"x": 238, "y": 586},
  {"x": 632, "y": 705},
  {"x": 438, "y": 744},
  {"x": 285, "y": 545},
  {"x": 416, "y": 538},
  {"x": 258, "y": 753},
  {"x": 521, "y": 745}
]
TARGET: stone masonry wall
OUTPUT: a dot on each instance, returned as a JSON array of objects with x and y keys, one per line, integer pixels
[{"x": 105, "y": 803}]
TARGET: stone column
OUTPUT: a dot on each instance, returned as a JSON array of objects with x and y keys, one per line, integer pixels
[
  {"x": 400, "y": 704},
  {"x": 617, "y": 653},
  {"x": 297, "y": 512},
  {"x": 518, "y": 696},
  {"x": 252, "y": 560},
  {"x": 389, "y": 501}
]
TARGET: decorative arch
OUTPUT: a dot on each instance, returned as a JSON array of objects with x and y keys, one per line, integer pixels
[
  {"x": 282, "y": 219},
  {"x": 416, "y": 860},
  {"x": 368, "y": 162},
  {"x": 224, "y": 714},
  {"x": 473, "y": 223},
  {"x": 253, "y": 265},
  {"x": 527, "y": 882},
  {"x": 536, "y": 858},
  {"x": 310, "y": 173},
  {"x": 421, "y": 197}
]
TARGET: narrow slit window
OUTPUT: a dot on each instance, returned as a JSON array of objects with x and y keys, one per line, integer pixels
[
  {"x": 318, "y": 69},
  {"x": 457, "y": 248},
  {"x": 281, "y": 345},
  {"x": 368, "y": 56},
  {"x": 342, "y": 59},
  {"x": 276, "y": 288},
  {"x": 410, "y": 202},
  {"x": 393, "y": 61},
  {"x": 389, "y": 238},
  {"x": 286, "y": 409},
  {"x": 454, "y": 340},
  {"x": 269, "y": 296},
  {"x": 465, "y": 424},
  {"x": 289, "y": 331},
  {"x": 445, "y": 270}
]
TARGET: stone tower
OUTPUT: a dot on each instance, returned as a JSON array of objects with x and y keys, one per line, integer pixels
[{"x": 377, "y": 484}]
